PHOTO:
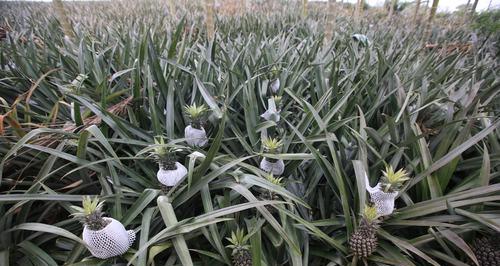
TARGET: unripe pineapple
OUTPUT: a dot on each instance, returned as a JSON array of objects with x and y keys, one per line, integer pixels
[
  {"x": 393, "y": 181},
  {"x": 105, "y": 237},
  {"x": 170, "y": 171},
  {"x": 363, "y": 241},
  {"x": 271, "y": 165},
  {"x": 270, "y": 195},
  {"x": 487, "y": 250},
  {"x": 194, "y": 133},
  {"x": 241, "y": 255},
  {"x": 91, "y": 214},
  {"x": 273, "y": 75}
]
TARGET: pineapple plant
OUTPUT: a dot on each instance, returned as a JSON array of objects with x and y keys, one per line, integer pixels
[
  {"x": 487, "y": 251},
  {"x": 270, "y": 195},
  {"x": 363, "y": 241},
  {"x": 195, "y": 133},
  {"x": 170, "y": 171},
  {"x": 241, "y": 255},
  {"x": 270, "y": 165},
  {"x": 105, "y": 237},
  {"x": 385, "y": 192}
]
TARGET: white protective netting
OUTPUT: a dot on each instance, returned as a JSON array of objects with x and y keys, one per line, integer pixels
[
  {"x": 275, "y": 85},
  {"x": 170, "y": 178},
  {"x": 113, "y": 240},
  {"x": 272, "y": 113},
  {"x": 384, "y": 201},
  {"x": 277, "y": 168},
  {"x": 195, "y": 137}
]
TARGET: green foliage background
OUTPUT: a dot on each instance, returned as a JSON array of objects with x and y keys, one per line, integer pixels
[{"x": 347, "y": 110}]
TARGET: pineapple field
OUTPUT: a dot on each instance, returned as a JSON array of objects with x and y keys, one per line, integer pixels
[{"x": 249, "y": 132}]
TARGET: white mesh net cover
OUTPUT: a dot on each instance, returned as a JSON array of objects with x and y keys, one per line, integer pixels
[
  {"x": 384, "y": 201},
  {"x": 195, "y": 137},
  {"x": 272, "y": 113},
  {"x": 275, "y": 85},
  {"x": 277, "y": 168},
  {"x": 113, "y": 240},
  {"x": 170, "y": 178}
]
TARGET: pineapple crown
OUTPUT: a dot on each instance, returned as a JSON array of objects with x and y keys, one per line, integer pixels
[
  {"x": 393, "y": 181},
  {"x": 195, "y": 114},
  {"x": 90, "y": 213},
  {"x": 277, "y": 99},
  {"x": 194, "y": 111},
  {"x": 163, "y": 153},
  {"x": 370, "y": 213},
  {"x": 275, "y": 180},
  {"x": 275, "y": 70},
  {"x": 238, "y": 240},
  {"x": 272, "y": 145}
]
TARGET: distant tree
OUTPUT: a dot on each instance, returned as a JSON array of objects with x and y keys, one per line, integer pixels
[
  {"x": 304, "y": 8},
  {"x": 467, "y": 5},
  {"x": 330, "y": 20},
  {"x": 432, "y": 13},
  {"x": 415, "y": 15},
  {"x": 474, "y": 6},
  {"x": 359, "y": 8},
  {"x": 488, "y": 23},
  {"x": 171, "y": 7},
  {"x": 63, "y": 18},
  {"x": 209, "y": 18},
  {"x": 392, "y": 6}
]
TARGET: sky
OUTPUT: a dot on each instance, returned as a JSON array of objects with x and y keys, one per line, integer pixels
[{"x": 444, "y": 5}]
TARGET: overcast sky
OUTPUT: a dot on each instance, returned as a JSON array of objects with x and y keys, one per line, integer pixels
[{"x": 444, "y": 5}]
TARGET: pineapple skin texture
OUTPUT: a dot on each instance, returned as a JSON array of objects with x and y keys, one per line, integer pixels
[
  {"x": 364, "y": 241},
  {"x": 242, "y": 257}
]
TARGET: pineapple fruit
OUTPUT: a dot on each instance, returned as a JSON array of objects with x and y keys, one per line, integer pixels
[
  {"x": 270, "y": 195},
  {"x": 170, "y": 171},
  {"x": 270, "y": 165},
  {"x": 164, "y": 156},
  {"x": 194, "y": 133},
  {"x": 363, "y": 241},
  {"x": 487, "y": 250},
  {"x": 105, "y": 237},
  {"x": 275, "y": 80},
  {"x": 384, "y": 194},
  {"x": 241, "y": 255}
]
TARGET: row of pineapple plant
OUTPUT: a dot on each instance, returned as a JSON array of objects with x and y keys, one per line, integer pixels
[{"x": 333, "y": 77}]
